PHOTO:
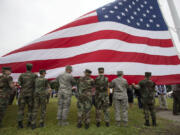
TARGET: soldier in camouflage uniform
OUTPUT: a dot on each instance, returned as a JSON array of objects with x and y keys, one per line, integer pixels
[
  {"x": 27, "y": 83},
  {"x": 84, "y": 104},
  {"x": 6, "y": 85},
  {"x": 147, "y": 89},
  {"x": 66, "y": 82},
  {"x": 40, "y": 97},
  {"x": 120, "y": 98},
  {"x": 176, "y": 99},
  {"x": 101, "y": 97}
]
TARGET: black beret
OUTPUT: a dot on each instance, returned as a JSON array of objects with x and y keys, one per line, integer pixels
[{"x": 29, "y": 65}]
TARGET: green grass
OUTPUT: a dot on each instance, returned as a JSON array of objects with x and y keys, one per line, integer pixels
[{"x": 135, "y": 127}]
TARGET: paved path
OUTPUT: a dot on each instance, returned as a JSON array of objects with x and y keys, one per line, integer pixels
[{"x": 169, "y": 116}]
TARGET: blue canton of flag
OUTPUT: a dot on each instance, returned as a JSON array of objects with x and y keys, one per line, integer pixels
[{"x": 141, "y": 14}]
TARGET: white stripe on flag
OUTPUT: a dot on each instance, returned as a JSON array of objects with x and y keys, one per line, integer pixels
[
  {"x": 112, "y": 67},
  {"x": 100, "y": 26},
  {"x": 105, "y": 44}
]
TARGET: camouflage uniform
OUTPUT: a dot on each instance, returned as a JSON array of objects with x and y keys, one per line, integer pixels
[
  {"x": 5, "y": 89},
  {"x": 176, "y": 99},
  {"x": 27, "y": 83},
  {"x": 147, "y": 89},
  {"x": 84, "y": 104},
  {"x": 66, "y": 82},
  {"x": 40, "y": 98},
  {"x": 101, "y": 98},
  {"x": 120, "y": 99}
]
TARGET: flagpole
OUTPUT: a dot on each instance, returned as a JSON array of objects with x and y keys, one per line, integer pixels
[{"x": 175, "y": 16}]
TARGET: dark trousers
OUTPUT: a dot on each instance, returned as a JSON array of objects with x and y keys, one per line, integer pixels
[{"x": 139, "y": 102}]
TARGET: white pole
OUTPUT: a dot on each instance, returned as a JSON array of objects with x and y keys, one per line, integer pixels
[{"x": 175, "y": 16}]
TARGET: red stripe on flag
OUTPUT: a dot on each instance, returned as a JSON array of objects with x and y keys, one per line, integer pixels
[
  {"x": 106, "y": 34},
  {"x": 97, "y": 56},
  {"x": 83, "y": 21}
]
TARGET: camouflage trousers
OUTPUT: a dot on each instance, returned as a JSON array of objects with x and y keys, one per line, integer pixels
[
  {"x": 121, "y": 109},
  {"x": 39, "y": 104},
  {"x": 64, "y": 103},
  {"x": 102, "y": 104},
  {"x": 3, "y": 106},
  {"x": 84, "y": 106},
  {"x": 149, "y": 108},
  {"x": 22, "y": 102},
  {"x": 176, "y": 103}
]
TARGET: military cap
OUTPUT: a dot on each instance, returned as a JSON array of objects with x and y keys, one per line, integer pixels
[
  {"x": 148, "y": 74},
  {"x": 68, "y": 67},
  {"x": 101, "y": 68},
  {"x": 29, "y": 65},
  {"x": 88, "y": 71},
  {"x": 6, "y": 68},
  {"x": 41, "y": 71},
  {"x": 119, "y": 72}
]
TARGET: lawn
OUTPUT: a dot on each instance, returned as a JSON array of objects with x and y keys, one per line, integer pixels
[{"x": 135, "y": 127}]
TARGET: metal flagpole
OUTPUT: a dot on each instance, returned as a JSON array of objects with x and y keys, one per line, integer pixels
[{"x": 175, "y": 16}]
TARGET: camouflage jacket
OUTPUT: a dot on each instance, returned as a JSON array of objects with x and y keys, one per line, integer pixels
[
  {"x": 5, "y": 85},
  {"x": 119, "y": 86},
  {"x": 101, "y": 84},
  {"x": 27, "y": 83},
  {"x": 41, "y": 86},
  {"x": 66, "y": 82},
  {"x": 147, "y": 90},
  {"x": 85, "y": 85}
]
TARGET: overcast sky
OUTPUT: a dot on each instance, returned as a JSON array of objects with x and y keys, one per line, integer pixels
[{"x": 22, "y": 21}]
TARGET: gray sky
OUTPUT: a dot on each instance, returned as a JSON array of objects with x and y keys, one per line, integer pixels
[{"x": 22, "y": 21}]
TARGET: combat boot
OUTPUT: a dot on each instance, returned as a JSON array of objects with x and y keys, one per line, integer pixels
[
  {"x": 107, "y": 124},
  {"x": 33, "y": 126},
  {"x": 154, "y": 122},
  {"x": 79, "y": 125},
  {"x": 86, "y": 125},
  {"x": 29, "y": 124},
  {"x": 20, "y": 124},
  {"x": 98, "y": 124},
  {"x": 147, "y": 123},
  {"x": 41, "y": 124}
]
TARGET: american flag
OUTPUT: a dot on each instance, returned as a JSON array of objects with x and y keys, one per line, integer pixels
[{"x": 127, "y": 35}]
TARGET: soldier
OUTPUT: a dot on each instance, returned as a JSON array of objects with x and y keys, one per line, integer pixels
[
  {"x": 27, "y": 83},
  {"x": 120, "y": 98},
  {"x": 176, "y": 99},
  {"x": 101, "y": 97},
  {"x": 40, "y": 98},
  {"x": 6, "y": 85},
  {"x": 147, "y": 89},
  {"x": 84, "y": 104},
  {"x": 66, "y": 82}
]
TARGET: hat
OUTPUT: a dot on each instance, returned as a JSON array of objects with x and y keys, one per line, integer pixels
[
  {"x": 101, "y": 68},
  {"x": 119, "y": 72},
  {"x": 68, "y": 67},
  {"x": 6, "y": 68},
  {"x": 29, "y": 65},
  {"x": 88, "y": 71},
  {"x": 41, "y": 71},
  {"x": 148, "y": 74}
]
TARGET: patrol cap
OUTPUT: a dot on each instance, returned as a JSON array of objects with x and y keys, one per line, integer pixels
[
  {"x": 119, "y": 72},
  {"x": 88, "y": 71},
  {"x": 29, "y": 65},
  {"x": 148, "y": 74},
  {"x": 41, "y": 71},
  {"x": 100, "y": 69},
  {"x": 6, "y": 68},
  {"x": 68, "y": 67}
]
